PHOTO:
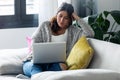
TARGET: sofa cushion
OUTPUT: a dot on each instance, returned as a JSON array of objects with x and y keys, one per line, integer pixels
[
  {"x": 10, "y": 77},
  {"x": 11, "y": 60},
  {"x": 107, "y": 55},
  {"x": 82, "y": 74},
  {"x": 80, "y": 54}
]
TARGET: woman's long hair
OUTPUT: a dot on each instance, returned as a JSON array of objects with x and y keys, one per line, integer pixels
[{"x": 54, "y": 25}]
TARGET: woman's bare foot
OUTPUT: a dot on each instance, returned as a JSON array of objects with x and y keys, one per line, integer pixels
[{"x": 63, "y": 66}]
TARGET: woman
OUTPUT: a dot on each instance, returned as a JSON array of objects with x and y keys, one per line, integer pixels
[{"x": 60, "y": 28}]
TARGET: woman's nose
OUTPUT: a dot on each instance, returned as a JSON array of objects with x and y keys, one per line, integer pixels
[{"x": 62, "y": 19}]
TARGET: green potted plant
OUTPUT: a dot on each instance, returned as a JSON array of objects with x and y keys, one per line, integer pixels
[{"x": 101, "y": 23}]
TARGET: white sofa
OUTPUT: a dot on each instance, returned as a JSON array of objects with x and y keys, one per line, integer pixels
[{"x": 105, "y": 64}]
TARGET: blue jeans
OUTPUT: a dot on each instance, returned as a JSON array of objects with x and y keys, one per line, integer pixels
[{"x": 29, "y": 68}]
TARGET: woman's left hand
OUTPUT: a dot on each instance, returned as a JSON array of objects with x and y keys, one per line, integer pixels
[{"x": 75, "y": 16}]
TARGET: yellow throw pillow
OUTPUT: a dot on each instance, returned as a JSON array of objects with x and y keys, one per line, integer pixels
[{"x": 80, "y": 55}]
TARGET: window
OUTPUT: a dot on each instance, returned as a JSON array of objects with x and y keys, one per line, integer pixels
[
  {"x": 18, "y": 13},
  {"x": 32, "y": 7},
  {"x": 7, "y": 7}
]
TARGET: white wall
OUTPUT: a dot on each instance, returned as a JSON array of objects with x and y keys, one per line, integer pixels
[
  {"x": 61, "y": 1},
  {"x": 108, "y": 5},
  {"x": 14, "y": 38}
]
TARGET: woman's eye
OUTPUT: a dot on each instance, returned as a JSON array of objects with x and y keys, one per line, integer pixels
[
  {"x": 59, "y": 15},
  {"x": 66, "y": 18}
]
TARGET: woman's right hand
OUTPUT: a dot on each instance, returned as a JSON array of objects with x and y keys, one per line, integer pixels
[{"x": 63, "y": 66}]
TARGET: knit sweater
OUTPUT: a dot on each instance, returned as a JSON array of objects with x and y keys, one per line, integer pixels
[{"x": 44, "y": 34}]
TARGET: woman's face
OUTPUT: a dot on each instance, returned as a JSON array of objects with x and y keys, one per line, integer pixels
[{"x": 63, "y": 19}]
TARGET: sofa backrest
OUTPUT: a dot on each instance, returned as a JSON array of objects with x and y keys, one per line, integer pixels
[{"x": 106, "y": 55}]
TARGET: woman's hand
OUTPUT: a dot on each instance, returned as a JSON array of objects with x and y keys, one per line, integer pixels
[{"x": 75, "y": 16}]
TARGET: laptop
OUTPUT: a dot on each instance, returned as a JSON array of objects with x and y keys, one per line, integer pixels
[{"x": 49, "y": 52}]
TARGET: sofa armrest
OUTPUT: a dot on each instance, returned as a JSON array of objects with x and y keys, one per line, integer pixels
[{"x": 83, "y": 74}]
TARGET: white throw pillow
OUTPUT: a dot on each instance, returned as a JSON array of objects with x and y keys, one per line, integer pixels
[{"x": 11, "y": 60}]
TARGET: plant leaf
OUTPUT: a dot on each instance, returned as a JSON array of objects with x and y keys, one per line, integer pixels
[
  {"x": 111, "y": 33},
  {"x": 98, "y": 31},
  {"x": 92, "y": 18},
  {"x": 100, "y": 19},
  {"x": 106, "y": 13},
  {"x": 106, "y": 38},
  {"x": 116, "y": 15},
  {"x": 105, "y": 25},
  {"x": 116, "y": 38}
]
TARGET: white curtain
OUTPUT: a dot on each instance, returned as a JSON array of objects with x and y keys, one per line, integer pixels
[{"x": 47, "y": 9}]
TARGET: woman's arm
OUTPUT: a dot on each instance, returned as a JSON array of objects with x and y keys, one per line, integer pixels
[
  {"x": 37, "y": 35},
  {"x": 87, "y": 30}
]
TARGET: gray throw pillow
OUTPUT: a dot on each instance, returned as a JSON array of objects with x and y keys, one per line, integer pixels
[{"x": 11, "y": 60}]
